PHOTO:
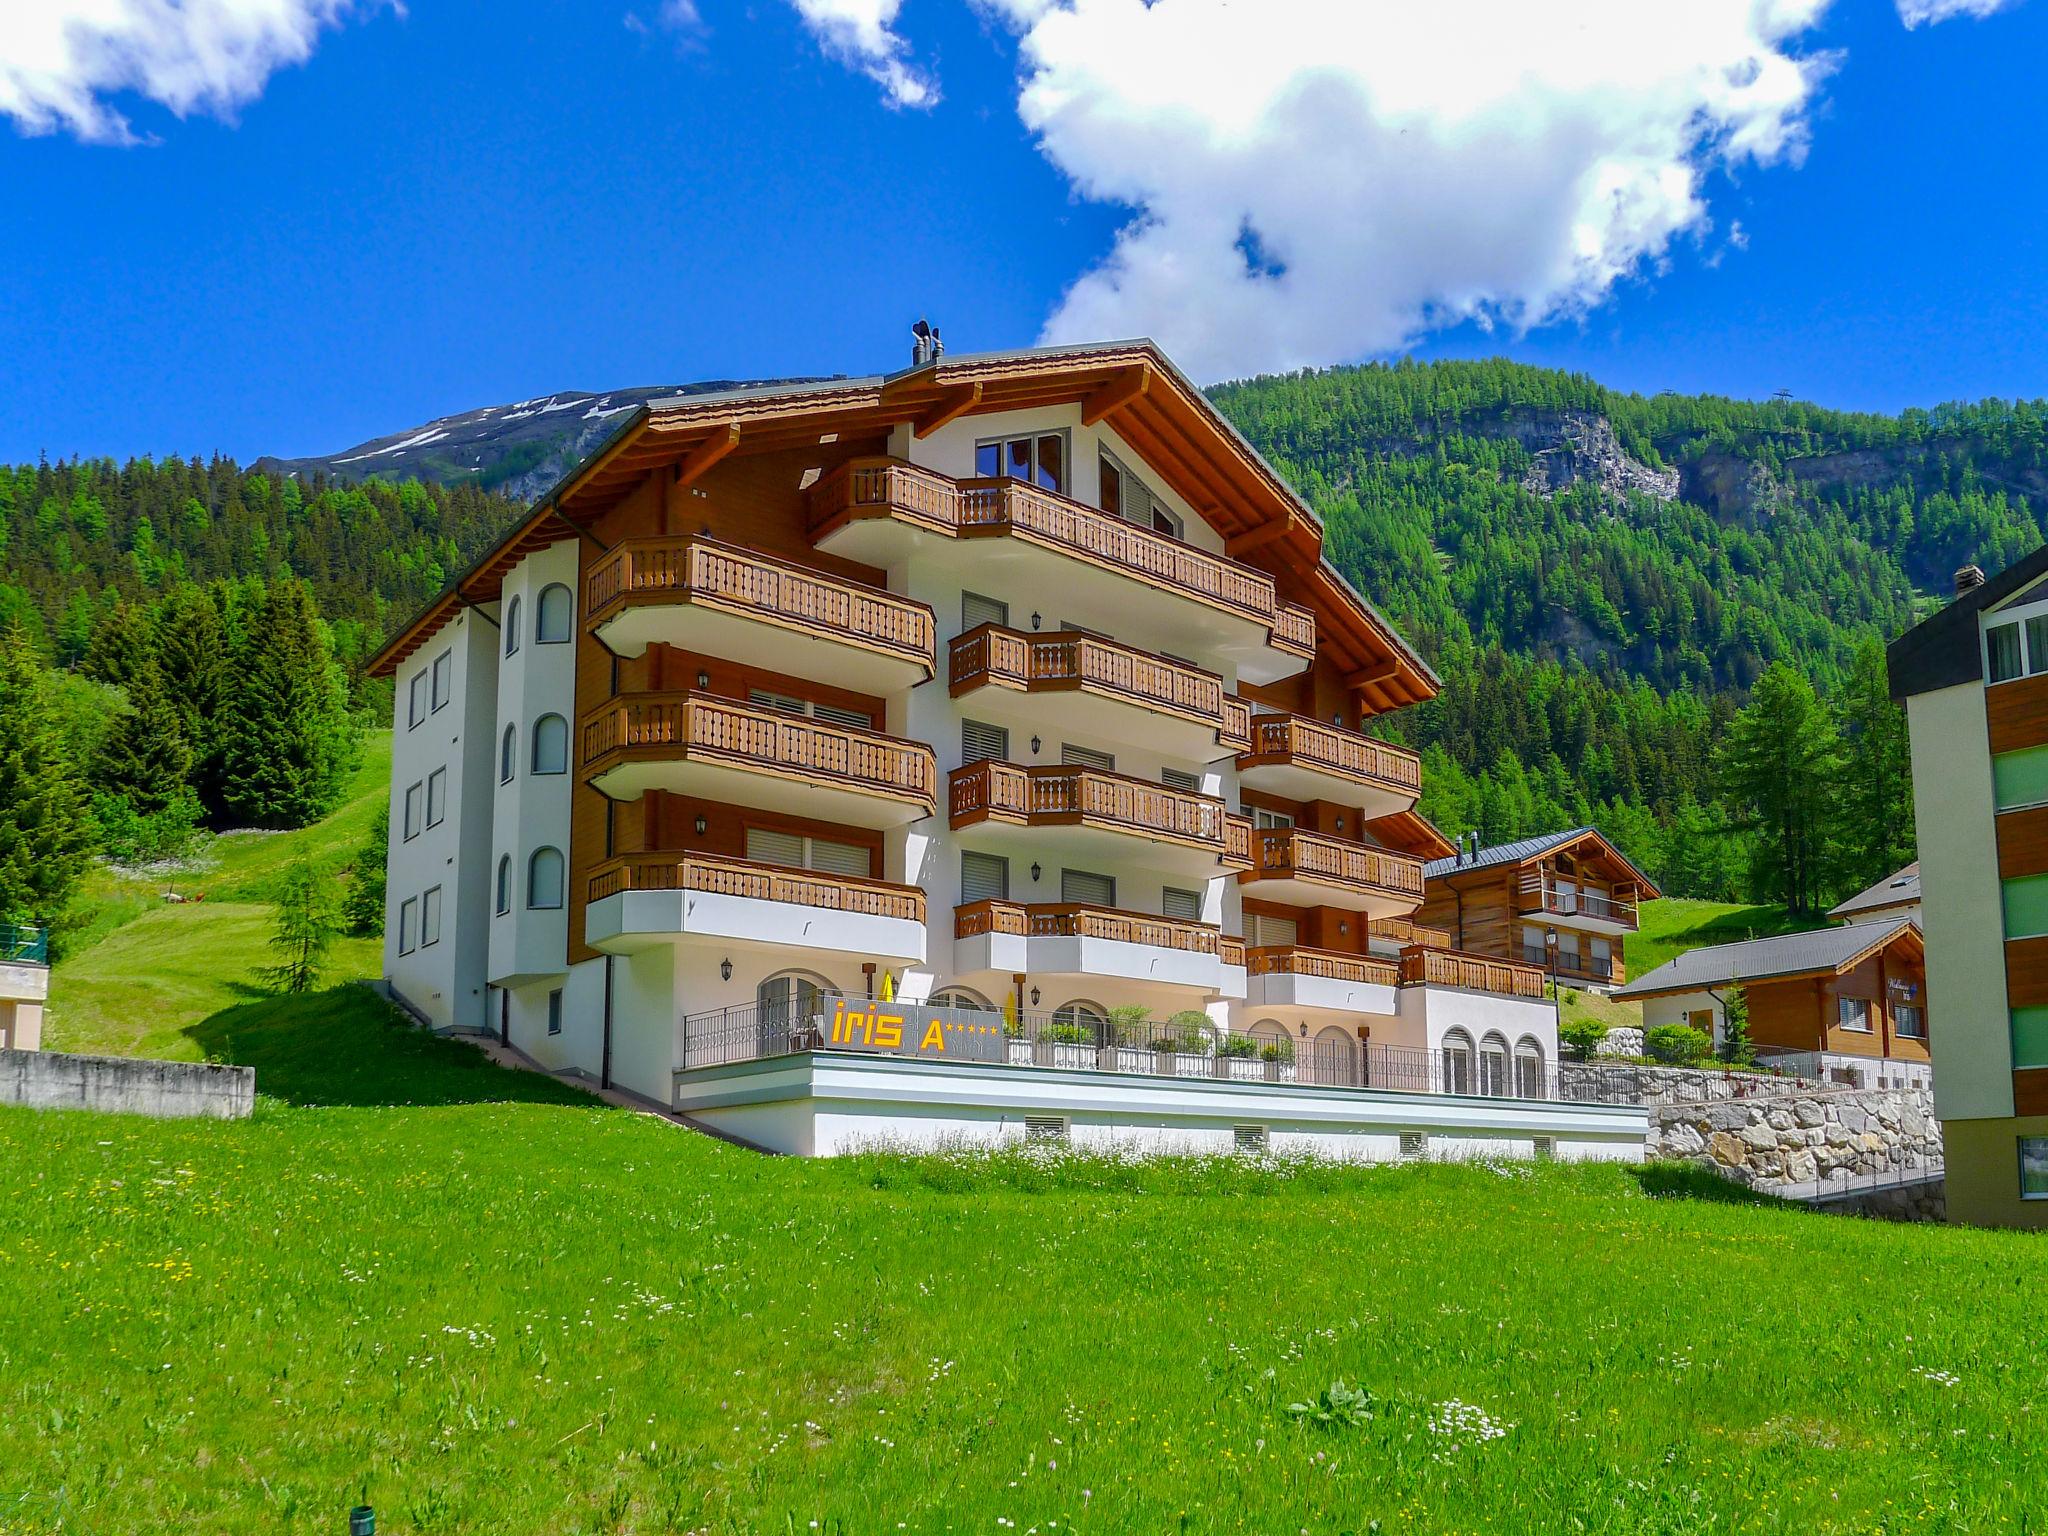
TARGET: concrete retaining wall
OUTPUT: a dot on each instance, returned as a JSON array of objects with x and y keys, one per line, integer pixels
[{"x": 167, "y": 1090}]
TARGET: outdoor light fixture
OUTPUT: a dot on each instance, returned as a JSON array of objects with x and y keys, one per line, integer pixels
[
  {"x": 703, "y": 679},
  {"x": 1035, "y": 621},
  {"x": 725, "y": 970},
  {"x": 703, "y": 826},
  {"x": 1034, "y": 746},
  {"x": 1034, "y": 872}
]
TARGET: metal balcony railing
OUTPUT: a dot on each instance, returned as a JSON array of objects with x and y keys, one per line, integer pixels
[{"x": 24, "y": 944}]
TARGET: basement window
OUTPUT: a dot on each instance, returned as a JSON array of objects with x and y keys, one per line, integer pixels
[
  {"x": 1414, "y": 1146},
  {"x": 1252, "y": 1140},
  {"x": 1545, "y": 1148},
  {"x": 1051, "y": 1130}
]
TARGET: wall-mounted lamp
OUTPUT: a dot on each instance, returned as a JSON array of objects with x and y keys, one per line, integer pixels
[
  {"x": 1034, "y": 873},
  {"x": 1036, "y": 621},
  {"x": 703, "y": 826},
  {"x": 703, "y": 679},
  {"x": 725, "y": 970},
  {"x": 1340, "y": 823},
  {"x": 1304, "y": 1031},
  {"x": 1035, "y": 744},
  {"x": 1342, "y": 929},
  {"x": 1034, "y": 997}
]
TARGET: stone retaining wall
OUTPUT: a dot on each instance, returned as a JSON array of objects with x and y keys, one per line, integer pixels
[
  {"x": 1803, "y": 1136},
  {"x": 1922, "y": 1200},
  {"x": 1605, "y": 1081},
  {"x": 168, "y": 1090}
]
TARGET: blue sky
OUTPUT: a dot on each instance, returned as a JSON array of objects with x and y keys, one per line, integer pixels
[{"x": 467, "y": 203}]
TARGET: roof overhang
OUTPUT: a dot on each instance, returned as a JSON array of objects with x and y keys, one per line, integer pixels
[{"x": 1905, "y": 936}]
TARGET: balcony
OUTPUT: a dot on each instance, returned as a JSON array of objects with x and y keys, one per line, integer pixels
[
  {"x": 1084, "y": 683},
  {"x": 1287, "y": 976},
  {"x": 24, "y": 944},
  {"x": 1303, "y": 868},
  {"x": 715, "y": 598},
  {"x": 1574, "y": 967},
  {"x": 1084, "y": 816},
  {"x": 1094, "y": 569},
  {"x": 716, "y": 749},
  {"x": 1397, "y": 933},
  {"x": 1472, "y": 973},
  {"x": 1007, "y": 938},
  {"x": 646, "y": 899},
  {"x": 1303, "y": 759},
  {"x": 1566, "y": 905}
]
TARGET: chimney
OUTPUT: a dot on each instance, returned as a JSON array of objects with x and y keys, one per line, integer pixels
[
  {"x": 1968, "y": 579},
  {"x": 925, "y": 345}
]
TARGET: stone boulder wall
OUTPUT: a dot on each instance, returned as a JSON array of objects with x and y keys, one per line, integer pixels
[
  {"x": 1804, "y": 1136},
  {"x": 1607, "y": 1081}
]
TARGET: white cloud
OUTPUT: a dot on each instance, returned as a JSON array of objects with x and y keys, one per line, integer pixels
[
  {"x": 863, "y": 33},
  {"x": 60, "y": 60},
  {"x": 1924, "y": 13}
]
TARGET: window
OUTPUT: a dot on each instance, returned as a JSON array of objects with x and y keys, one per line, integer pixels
[
  {"x": 1048, "y": 1129},
  {"x": 1248, "y": 1139},
  {"x": 437, "y": 797},
  {"x": 2034, "y": 1167},
  {"x": 1264, "y": 931},
  {"x": 414, "y": 796},
  {"x": 555, "y": 1011},
  {"x": 1414, "y": 1146},
  {"x": 416, "y": 700},
  {"x": 430, "y": 917},
  {"x": 544, "y": 879},
  {"x": 2002, "y": 652},
  {"x": 784, "y": 1002},
  {"x": 408, "y": 925},
  {"x": 1268, "y": 821},
  {"x": 1493, "y": 1067},
  {"x": 504, "y": 883},
  {"x": 788, "y": 704},
  {"x": 550, "y": 744},
  {"x": 1086, "y": 757},
  {"x": 1529, "y": 1068},
  {"x": 1853, "y": 1013},
  {"x": 1124, "y": 495},
  {"x": 1079, "y": 885},
  {"x": 512, "y": 627},
  {"x": 1185, "y": 905},
  {"x": 980, "y": 742},
  {"x": 1544, "y": 1147},
  {"x": 2037, "y": 643},
  {"x": 964, "y": 999},
  {"x": 508, "y": 754},
  {"x": 444, "y": 678},
  {"x": 1080, "y": 1011},
  {"x": 1457, "y": 1057},
  {"x": 767, "y": 845},
  {"x": 1042, "y": 459},
  {"x": 2020, "y": 778},
  {"x": 983, "y": 877},
  {"x": 1910, "y": 1021},
  {"x": 554, "y": 615},
  {"x": 976, "y": 610},
  {"x": 1181, "y": 779}
]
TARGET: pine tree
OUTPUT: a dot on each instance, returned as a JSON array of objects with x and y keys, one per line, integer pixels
[
  {"x": 1781, "y": 765},
  {"x": 121, "y": 647},
  {"x": 192, "y": 654},
  {"x": 1877, "y": 785},
  {"x": 44, "y": 832},
  {"x": 145, "y": 756},
  {"x": 288, "y": 740},
  {"x": 304, "y": 910},
  {"x": 362, "y": 908},
  {"x": 1736, "y": 1048}
]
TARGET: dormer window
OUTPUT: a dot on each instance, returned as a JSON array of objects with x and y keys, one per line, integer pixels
[{"x": 1041, "y": 460}]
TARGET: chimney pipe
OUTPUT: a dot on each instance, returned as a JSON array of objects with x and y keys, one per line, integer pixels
[{"x": 1968, "y": 579}]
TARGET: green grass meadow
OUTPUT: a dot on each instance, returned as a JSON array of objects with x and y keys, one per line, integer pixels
[{"x": 496, "y": 1305}]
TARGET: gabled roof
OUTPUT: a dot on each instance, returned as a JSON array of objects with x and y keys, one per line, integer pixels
[
  {"x": 1822, "y": 951},
  {"x": 1942, "y": 650},
  {"x": 1896, "y": 890},
  {"x": 1527, "y": 850}
]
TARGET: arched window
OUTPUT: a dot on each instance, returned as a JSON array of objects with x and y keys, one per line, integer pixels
[
  {"x": 1529, "y": 1068},
  {"x": 1333, "y": 1057},
  {"x": 512, "y": 627},
  {"x": 789, "y": 1012},
  {"x": 1268, "y": 1029},
  {"x": 1457, "y": 1062},
  {"x": 1081, "y": 1011},
  {"x": 504, "y": 883},
  {"x": 508, "y": 755},
  {"x": 1493, "y": 1066},
  {"x": 554, "y": 616},
  {"x": 544, "y": 879},
  {"x": 550, "y": 744},
  {"x": 963, "y": 998}
]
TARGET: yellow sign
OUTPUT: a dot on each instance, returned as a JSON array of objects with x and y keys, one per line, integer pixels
[{"x": 914, "y": 1029}]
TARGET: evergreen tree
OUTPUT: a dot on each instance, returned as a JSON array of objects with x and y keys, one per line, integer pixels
[
  {"x": 1877, "y": 784},
  {"x": 288, "y": 741},
  {"x": 304, "y": 914},
  {"x": 44, "y": 832},
  {"x": 1781, "y": 765},
  {"x": 363, "y": 907},
  {"x": 145, "y": 757},
  {"x": 192, "y": 654},
  {"x": 1736, "y": 1048},
  {"x": 121, "y": 647}
]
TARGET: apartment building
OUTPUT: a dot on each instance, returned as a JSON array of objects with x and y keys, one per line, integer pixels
[
  {"x": 1974, "y": 680},
  {"x": 977, "y": 749},
  {"x": 1564, "y": 902}
]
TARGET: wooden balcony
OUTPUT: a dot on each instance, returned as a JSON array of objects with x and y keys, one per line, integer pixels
[
  {"x": 1304, "y": 759},
  {"x": 756, "y": 882},
  {"x": 1067, "y": 813},
  {"x": 1091, "y": 562},
  {"x": 1477, "y": 973},
  {"x": 1005, "y": 938},
  {"x": 703, "y": 595},
  {"x": 718, "y": 749},
  {"x": 1581, "y": 967},
  {"x": 1566, "y": 904},
  {"x": 645, "y": 900},
  {"x": 1306, "y": 868},
  {"x": 1087, "y": 683},
  {"x": 1291, "y": 960},
  {"x": 1400, "y": 932},
  {"x": 1073, "y": 920}
]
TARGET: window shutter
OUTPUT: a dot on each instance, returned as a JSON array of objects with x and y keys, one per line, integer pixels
[
  {"x": 767, "y": 846},
  {"x": 1262, "y": 931},
  {"x": 761, "y": 698},
  {"x": 1086, "y": 757},
  {"x": 976, "y": 610},
  {"x": 1186, "y": 905},
  {"x": 980, "y": 742},
  {"x": 1082, "y": 886},
  {"x": 859, "y": 719},
  {"x": 1180, "y": 778},
  {"x": 984, "y": 877},
  {"x": 831, "y": 858}
]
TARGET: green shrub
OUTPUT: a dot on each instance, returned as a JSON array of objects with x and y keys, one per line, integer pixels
[
  {"x": 1129, "y": 1024},
  {"x": 1066, "y": 1032},
  {"x": 1737, "y": 1050},
  {"x": 1677, "y": 1045},
  {"x": 1581, "y": 1038},
  {"x": 1238, "y": 1046},
  {"x": 1276, "y": 1050}
]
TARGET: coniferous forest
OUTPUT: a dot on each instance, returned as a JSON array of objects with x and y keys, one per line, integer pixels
[{"x": 1662, "y": 615}]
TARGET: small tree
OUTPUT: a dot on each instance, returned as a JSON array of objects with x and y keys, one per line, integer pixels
[
  {"x": 305, "y": 929},
  {"x": 362, "y": 909},
  {"x": 1677, "y": 1045},
  {"x": 1736, "y": 1047},
  {"x": 1582, "y": 1037}
]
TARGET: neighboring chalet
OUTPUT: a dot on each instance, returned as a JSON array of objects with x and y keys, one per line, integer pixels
[
  {"x": 1563, "y": 902},
  {"x": 1855, "y": 995},
  {"x": 24, "y": 985},
  {"x": 1896, "y": 895}
]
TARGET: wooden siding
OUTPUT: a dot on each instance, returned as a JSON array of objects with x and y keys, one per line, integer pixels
[
  {"x": 2016, "y": 713},
  {"x": 2022, "y": 842},
  {"x": 2026, "y": 972}
]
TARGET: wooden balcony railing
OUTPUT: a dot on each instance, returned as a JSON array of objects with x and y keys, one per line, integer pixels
[
  {"x": 1541, "y": 892},
  {"x": 1281, "y": 853},
  {"x": 1453, "y": 968},
  {"x": 1230, "y": 948},
  {"x": 1290, "y": 960},
  {"x": 700, "y": 727},
  {"x": 1075, "y": 920},
  {"x": 706, "y": 572},
  {"x": 1066, "y": 795},
  {"x": 1607, "y": 973},
  {"x": 758, "y": 882},
  {"x": 1065, "y": 660},
  {"x": 1405, "y": 931},
  {"x": 862, "y": 489},
  {"x": 1306, "y": 743}
]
